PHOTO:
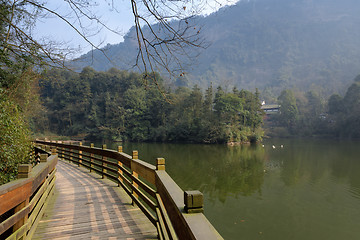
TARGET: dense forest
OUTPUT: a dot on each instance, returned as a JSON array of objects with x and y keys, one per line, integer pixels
[
  {"x": 119, "y": 105},
  {"x": 310, "y": 114},
  {"x": 266, "y": 44}
]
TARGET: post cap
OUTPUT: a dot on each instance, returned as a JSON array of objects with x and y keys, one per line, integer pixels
[
  {"x": 194, "y": 201},
  {"x": 135, "y": 154},
  {"x": 43, "y": 157},
  {"x": 53, "y": 151},
  {"x": 160, "y": 164},
  {"x": 24, "y": 170},
  {"x": 120, "y": 149}
]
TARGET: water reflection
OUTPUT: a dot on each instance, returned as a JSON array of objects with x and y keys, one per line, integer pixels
[
  {"x": 240, "y": 172},
  {"x": 216, "y": 170},
  {"x": 315, "y": 160}
]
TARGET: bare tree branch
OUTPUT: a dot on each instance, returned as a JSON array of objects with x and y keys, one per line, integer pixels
[{"x": 165, "y": 30}]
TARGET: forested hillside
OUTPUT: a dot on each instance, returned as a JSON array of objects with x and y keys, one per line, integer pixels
[
  {"x": 268, "y": 44},
  {"x": 118, "y": 105}
]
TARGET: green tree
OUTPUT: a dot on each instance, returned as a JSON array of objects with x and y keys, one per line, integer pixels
[
  {"x": 350, "y": 126},
  {"x": 289, "y": 112}
]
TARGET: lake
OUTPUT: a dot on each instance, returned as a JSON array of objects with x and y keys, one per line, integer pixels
[{"x": 307, "y": 189}]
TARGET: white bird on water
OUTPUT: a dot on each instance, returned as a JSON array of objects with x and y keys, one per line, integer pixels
[
  {"x": 282, "y": 146},
  {"x": 273, "y": 146}
]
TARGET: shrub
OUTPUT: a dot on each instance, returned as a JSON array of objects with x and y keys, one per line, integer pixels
[{"x": 15, "y": 144}]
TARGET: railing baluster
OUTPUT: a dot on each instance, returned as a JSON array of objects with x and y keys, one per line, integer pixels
[
  {"x": 91, "y": 157},
  {"x": 103, "y": 170},
  {"x": 80, "y": 155},
  {"x": 120, "y": 172},
  {"x": 53, "y": 151},
  {"x": 70, "y": 153},
  {"x": 62, "y": 152}
]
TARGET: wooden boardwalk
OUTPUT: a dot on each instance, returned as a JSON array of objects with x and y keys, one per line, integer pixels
[{"x": 84, "y": 206}]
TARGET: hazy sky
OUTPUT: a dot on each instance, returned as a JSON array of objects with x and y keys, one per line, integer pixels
[{"x": 120, "y": 19}]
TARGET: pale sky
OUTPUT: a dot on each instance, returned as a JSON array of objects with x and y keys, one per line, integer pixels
[{"x": 120, "y": 19}]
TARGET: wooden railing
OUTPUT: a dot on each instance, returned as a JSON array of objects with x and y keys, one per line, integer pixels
[
  {"x": 176, "y": 214},
  {"x": 23, "y": 201}
]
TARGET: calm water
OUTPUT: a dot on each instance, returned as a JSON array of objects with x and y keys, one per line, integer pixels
[{"x": 309, "y": 189}]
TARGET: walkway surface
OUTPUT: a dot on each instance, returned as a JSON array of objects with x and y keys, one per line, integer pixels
[{"x": 84, "y": 206}]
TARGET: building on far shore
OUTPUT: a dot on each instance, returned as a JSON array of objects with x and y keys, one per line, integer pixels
[{"x": 270, "y": 109}]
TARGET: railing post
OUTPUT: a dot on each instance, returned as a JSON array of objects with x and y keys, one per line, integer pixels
[
  {"x": 24, "y": 171},
  {"x": 53, "y": 151},
  {"x": 70, "y": 153},
  {"x": 160, "y": 225},
  {"x": 80, "y": 155},
  {"x": 43, "y": 157},
  {"x": 22, "y": 221},
  {"x": 32, "y": 154},
  {"x": 135, "y": 155},
  {"x": 91, "y": 157},
  {"x": 194, "y": 201},
  {"x": 103, "y": 163},
  {"x": 160, "y": 164},
  {"x": 61, "y": 151},
  {"x": 120, "y": 172}
]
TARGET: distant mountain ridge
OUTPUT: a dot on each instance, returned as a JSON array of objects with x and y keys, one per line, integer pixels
[{"x": 274, "y": 44}]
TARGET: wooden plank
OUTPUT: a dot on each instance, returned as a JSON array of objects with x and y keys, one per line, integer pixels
[
  {"x": 161, "y": 237},
  {"x": 144, "y": 210},
  {"x": 9, "y": 222},
  {"x": 144, "y": 186},
  {"x": 15, "y": 196},
  {"x": 18, "y": 208},
  {"x": 144, "y": 198},
  {"x": 162, "y": 227},
  {"x": 34, "y": 222},
  {"x": 169, "y": 227},
  {"x": 145, "y": 170},
  {"x": 41, "y": 171},
  {"x": 173, "y": 198},
  {"x": 43, "y": 188}
]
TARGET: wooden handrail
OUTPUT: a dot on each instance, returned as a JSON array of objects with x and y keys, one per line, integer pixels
[
  {"x": 149, "y": 186},
  {"x": 22, "y": 201}
]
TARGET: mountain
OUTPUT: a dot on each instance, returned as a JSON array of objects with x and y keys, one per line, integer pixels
[{"x": 266, "y": 44}]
